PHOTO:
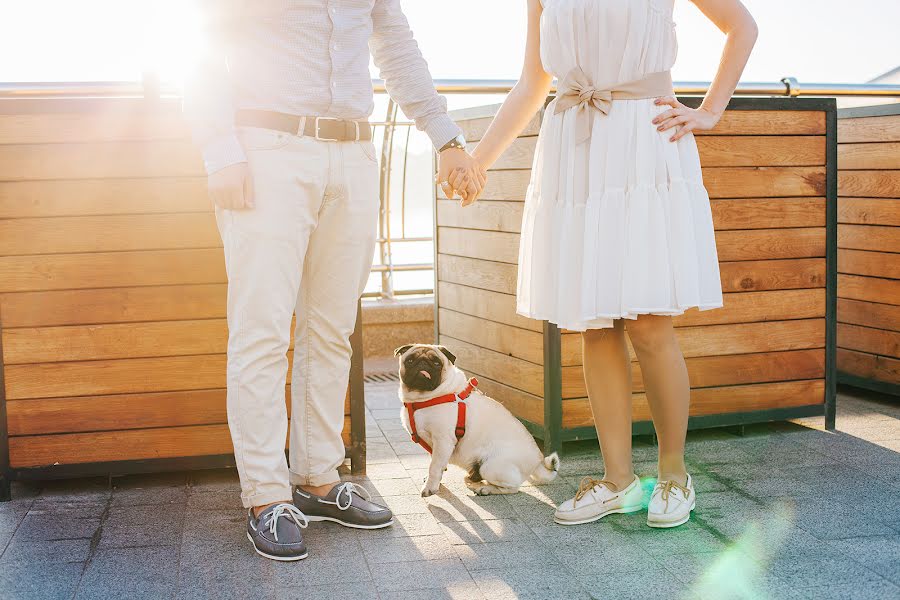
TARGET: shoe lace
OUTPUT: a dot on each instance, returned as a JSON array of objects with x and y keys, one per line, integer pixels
[
  {"x": 588, "y": 483},
  {"x": 669, "y": 486},
  {"x": 347, "y": 490},
  {"x": 288, "y": 511}
]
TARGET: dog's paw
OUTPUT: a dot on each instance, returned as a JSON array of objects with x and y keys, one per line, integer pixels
[{"x": 429, "y": 490}]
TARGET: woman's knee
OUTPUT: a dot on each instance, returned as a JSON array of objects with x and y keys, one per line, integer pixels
[{"x": 651, "y": 333}]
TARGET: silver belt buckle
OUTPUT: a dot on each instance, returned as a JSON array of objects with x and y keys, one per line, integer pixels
[{"x": 321, "y": 139}]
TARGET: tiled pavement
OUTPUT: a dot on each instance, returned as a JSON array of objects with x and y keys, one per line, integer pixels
[{"x": 784, "y": 511}]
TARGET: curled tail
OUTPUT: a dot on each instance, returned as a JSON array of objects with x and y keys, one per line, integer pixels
[{"x": 547, "y": 470}]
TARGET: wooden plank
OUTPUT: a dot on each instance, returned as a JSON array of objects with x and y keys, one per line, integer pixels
[
  {"x": 712, "y": 371},
  {"x": 868, "y": 314},
  {"x": 63, "y": 198},
  {"x": 484, "y": 304},
  {"x": 474, "y": 129},
  {"x": 519, "y": 155},
  {"x": 521, "y": 404},
  {"x": 765, "y": 150},
  {"x": 750, "y": 307},
  {"x": 759, "y": 275},
  {"x": 762, "y": 244},
  {"x": 873, "y": 264},
  {"x": 868, "y": 366},
  {"x": 869, "y": 156},
  {"x": 111, "y": 341},
  {"x": 869, "y": 211},
  {"x": 514, "y": 372},
  {"x": 720, "y": 340},
  {"x": 137, "y": 444},
  {"x": 764, "y": 122},
  {"x": 489, "y": 216},
  {"x": 767, "y": 213},
  {"x": 101, "y": 160},
  {"x": 112, "y": 269},
  {"x": 869, "y": 237},
  {"x": 869, "y": 184},
  {"x": 768, "y": 182},
  {"x": 113, "y": 233},
  {"x": 483, "y": 274},
  {"x": 505, "y": 339},
  {"x": 113, "y": 305},
  {"x": 123, "y": 411},
  {"x": 868, "y": 340},
  {"x": 717, "y": 400},
  {"x": 55, "y": 128},
  {"x": 472, "y": 243},
  {"x": 869, "y": 129},
  {"x": 869, "y": 289},
  {"x": 89, "y": 105},
  {"x": 125, "y": 376}
]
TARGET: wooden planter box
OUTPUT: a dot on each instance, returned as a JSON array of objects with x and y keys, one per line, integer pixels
[
  {"x": 770, "y": 168},
  {"x": 868, "y": 330},
  {"x": 112, "y": 296}
]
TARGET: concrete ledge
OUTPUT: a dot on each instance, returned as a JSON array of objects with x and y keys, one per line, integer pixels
[{"x": 388, "y": 324}]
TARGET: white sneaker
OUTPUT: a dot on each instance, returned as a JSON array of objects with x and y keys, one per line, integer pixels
[
  {"x": 596, "y": 499},
  {"x": 671, "y": 504}
]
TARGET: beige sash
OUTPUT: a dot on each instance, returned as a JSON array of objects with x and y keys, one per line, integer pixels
[{"x": 576, "y": 91}]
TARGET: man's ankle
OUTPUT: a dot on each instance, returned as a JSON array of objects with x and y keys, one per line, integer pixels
[
  {"x": 257, "y": 510},
  {"x": 318, "y": 490}
]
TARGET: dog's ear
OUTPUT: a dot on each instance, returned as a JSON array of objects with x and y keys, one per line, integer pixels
[
  {"x": 402, "y": 349},
  {"x": 450, "y": 356}
]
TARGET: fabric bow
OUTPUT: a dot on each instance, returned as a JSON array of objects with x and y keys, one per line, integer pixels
[{"x": 576, "y": 90}]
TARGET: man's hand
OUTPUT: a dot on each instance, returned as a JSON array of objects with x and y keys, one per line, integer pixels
[
  {"x": 232, "y": 187},
  {"x": 467, "y": 175}
]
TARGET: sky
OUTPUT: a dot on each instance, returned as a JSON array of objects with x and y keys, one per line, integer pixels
[{"x": 813, "y": 40}]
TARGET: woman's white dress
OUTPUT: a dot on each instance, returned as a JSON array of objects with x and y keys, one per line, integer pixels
[{"x": 618, "y": 225}]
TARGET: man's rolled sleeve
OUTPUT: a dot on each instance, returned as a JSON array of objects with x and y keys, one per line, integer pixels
[{"x": 222, "y": 152}]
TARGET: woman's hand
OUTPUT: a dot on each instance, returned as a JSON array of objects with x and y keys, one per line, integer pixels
[
  {"x": 685, "y": 118},
  {"x": 468, "y": 183}
]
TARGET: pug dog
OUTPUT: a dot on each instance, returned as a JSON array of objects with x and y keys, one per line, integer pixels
[{"x": 496, "y": 449}]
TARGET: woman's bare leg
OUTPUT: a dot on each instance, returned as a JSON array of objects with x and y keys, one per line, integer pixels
[
  {"x": 607, "y": 375},
  {"x": 668, "y": 389}
]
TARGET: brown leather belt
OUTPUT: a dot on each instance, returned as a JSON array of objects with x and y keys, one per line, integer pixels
[{"x": 324, "y": 129}]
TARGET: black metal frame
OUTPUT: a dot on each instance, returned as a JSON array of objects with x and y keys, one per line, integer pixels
[
  {"x": 875, "y": 385},
  {"x": 356, "y": 452},
  {"x": 552, "y": 432}
]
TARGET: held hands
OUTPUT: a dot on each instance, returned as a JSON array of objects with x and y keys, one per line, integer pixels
[
  {"x": 686, "y": 119},
  {"x": 459, "y": 173},
  {"x": 232, "y": 187}
]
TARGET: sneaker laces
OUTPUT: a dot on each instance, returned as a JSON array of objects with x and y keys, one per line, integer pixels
[
  {"x": 667, "y": 487},
  {"x": 347, "y": 490},
  {"x": 588, "y": 483},
  {"x": 288, "y": 511}
]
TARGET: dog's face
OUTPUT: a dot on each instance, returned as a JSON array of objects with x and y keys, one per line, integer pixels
[{"x": 423, "y": 366}]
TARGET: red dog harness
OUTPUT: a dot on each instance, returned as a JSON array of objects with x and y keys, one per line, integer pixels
[{"x": 412, "y": 407}]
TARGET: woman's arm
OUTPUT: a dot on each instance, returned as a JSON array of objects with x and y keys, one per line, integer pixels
[
  {"x": 523, "y": 101},
  {"x": 733, "y": 19}
]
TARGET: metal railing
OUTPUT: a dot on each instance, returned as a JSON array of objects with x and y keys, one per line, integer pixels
[{"x": 394, "y": 179}]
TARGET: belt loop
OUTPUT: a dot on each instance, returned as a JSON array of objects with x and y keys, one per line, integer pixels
[{"x": 301, "y": 130}]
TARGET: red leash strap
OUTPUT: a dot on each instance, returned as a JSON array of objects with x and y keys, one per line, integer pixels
[{"x": 460, "y": 430}]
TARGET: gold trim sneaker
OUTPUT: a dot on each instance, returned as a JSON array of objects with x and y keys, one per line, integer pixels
[
  {"x": 596, "y": 499},
  {"x": 671, "y": 504}
]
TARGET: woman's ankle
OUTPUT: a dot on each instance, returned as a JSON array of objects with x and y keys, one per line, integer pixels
[{"x": 619, "y": 480}]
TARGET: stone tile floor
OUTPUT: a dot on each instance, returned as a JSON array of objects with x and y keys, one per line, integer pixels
[{"x": 784, "y": 510}]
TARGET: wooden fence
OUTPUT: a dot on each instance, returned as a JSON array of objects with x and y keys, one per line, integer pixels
[{"x": 868, "y": 328}]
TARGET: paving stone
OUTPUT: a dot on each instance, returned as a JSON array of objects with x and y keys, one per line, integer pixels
[
  {"x": 501, "y": 555},
  {"x": 447, "y": 506},
  {"x": 408, "y": 526},
  {"x": 126, "y": 585},
  {"x": 654, "y": 582},
  {"x": 427, "y": 574},
  {"x": 407, "y": 504},
  {"x": 149, "y": 495},
  {"x": 392, "y": 487},
  {"x": 487, "y": 531},
  {"x": 52, "y": 527},
  {"x": 872, "y": 590},
  {"x": 533, "y": 582},
  {"x": 317, "y": 570},
  {"x": 459, "y": 591},
  {"x": 46, "y": 552},
  {"x": 386, "y": 471},
  {"x": 811, "y": 570},
  {"x": 215, "y": 480},
  {"x": 200, "y": 500},
  {"x": 880, "y": 554},
  {"x": 380, "y": 551},
  {"x": 340, "y": 591},
  {"x": 53, "y": 582}
]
